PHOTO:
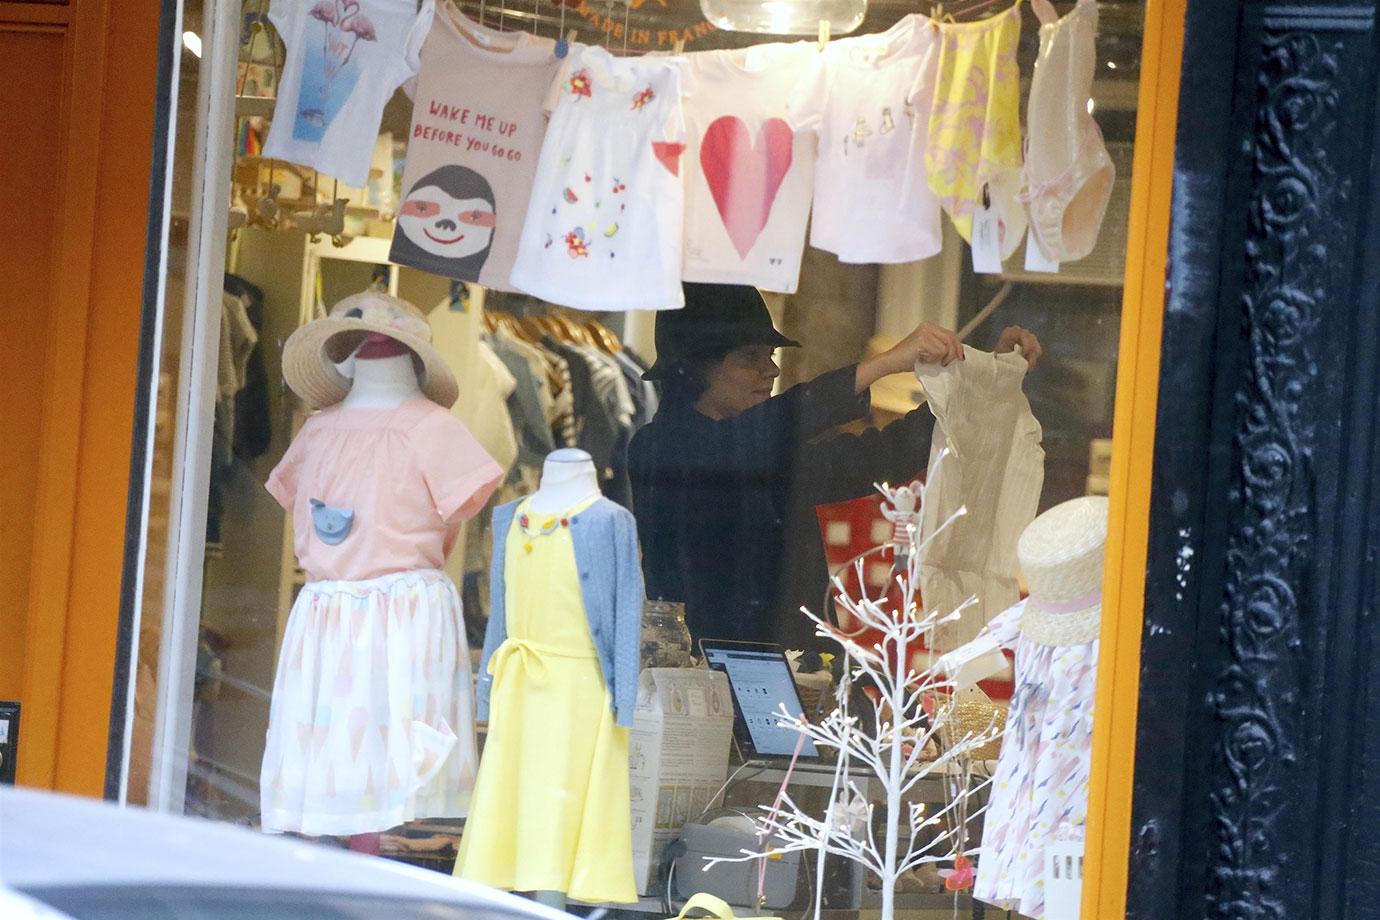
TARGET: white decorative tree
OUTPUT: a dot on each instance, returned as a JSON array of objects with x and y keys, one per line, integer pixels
[{"x": 914, "y": 712}]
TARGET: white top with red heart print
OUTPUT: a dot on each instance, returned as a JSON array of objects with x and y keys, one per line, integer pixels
[{"x": 748, "y": 175}]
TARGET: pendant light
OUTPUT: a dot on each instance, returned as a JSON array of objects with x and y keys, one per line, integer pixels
[{"x": 785, "y": 17}]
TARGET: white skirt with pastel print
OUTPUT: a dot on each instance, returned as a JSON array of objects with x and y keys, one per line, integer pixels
[{"x": 372, "y": 719}]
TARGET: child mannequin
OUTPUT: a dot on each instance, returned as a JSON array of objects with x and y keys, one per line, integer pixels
[{"x": 378, "y": 481}]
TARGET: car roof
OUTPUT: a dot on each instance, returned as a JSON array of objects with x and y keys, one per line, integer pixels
[{"x": 49, "y": 840}]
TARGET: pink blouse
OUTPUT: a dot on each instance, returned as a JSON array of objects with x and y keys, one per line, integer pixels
[{"x": 410, "y": 475}]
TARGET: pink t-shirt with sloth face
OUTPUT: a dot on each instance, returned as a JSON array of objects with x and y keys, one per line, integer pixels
[{"x": 477, "y": 129}]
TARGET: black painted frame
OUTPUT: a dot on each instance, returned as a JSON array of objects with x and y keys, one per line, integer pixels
[
  {"x": 144, "y": 405},
  {"x": 1257, "y": 773}
]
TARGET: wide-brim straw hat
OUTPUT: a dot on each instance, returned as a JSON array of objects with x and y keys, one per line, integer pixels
[
  {"x": 898, "y": 393},
  {"x": 1063, "y": 554},
  {"x": 313, "y": 351}
]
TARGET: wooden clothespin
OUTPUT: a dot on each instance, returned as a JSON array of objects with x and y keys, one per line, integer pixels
[
  {"x": 823, "y": 33},
  {"x": 679, "y": 46},
  {"x": 1045, "y": 12}
]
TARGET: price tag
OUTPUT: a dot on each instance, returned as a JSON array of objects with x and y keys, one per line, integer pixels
[
  {"x": 1035, "y": 260},
  {"x": 986, "y": 240},
  {"x": 1063, "y": 879}
]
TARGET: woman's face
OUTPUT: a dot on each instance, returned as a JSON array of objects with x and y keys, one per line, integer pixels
[{"x": 743, "y": 379}]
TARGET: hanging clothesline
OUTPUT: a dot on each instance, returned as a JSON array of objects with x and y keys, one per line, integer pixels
[{"x": 601, "y": 181}]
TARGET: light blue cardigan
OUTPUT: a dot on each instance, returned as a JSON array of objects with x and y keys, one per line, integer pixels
[{"x": 606, "y": 557}]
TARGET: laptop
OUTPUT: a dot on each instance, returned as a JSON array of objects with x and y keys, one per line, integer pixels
[{"x": 760, "y": 682}]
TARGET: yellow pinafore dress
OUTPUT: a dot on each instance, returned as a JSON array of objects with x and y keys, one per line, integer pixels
[{"x": 551, "y": 809}]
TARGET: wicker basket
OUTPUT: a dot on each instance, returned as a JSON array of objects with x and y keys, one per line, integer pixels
[{"x": 969, "y": 715}]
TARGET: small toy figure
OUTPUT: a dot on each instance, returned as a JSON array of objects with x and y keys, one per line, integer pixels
[{"x": 903, "y": 514}]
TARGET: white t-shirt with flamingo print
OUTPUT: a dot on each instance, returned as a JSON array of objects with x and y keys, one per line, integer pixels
[
  {"x": 603, "y": 228},
  {"x": 344, "y": 60}
]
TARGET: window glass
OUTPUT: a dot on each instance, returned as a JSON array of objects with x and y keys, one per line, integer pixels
[{"x": 748, "y": 460}]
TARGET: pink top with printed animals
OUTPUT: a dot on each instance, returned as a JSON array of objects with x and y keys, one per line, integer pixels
[{"x": 407, "y": 477}]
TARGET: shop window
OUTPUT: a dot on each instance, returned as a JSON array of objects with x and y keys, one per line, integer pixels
[{"x": 261, "y": 247}]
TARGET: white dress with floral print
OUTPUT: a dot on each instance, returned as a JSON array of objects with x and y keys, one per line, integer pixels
[{"x": 603, "y": 229}]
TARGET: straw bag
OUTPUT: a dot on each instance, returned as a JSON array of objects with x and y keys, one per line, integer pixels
[{"x": 973, "y": 713}]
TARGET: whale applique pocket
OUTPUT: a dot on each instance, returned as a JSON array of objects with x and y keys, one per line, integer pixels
[{"x": 332, "y": 524}]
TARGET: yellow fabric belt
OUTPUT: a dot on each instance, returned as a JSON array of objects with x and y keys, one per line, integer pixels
[{"x": 532, "y": 655}]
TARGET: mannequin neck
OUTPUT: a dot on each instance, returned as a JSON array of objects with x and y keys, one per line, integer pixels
[
  {"x": 383, "y": 383},
  {"x": 568, "y": 477}
]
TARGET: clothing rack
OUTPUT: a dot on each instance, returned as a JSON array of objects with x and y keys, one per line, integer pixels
[{"x": 558, "y": 323}]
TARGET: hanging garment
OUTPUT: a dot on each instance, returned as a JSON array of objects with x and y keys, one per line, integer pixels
[
  {"x": 974, "y": 146},
  {"x": 748, "y": 174},
  {"x": 869, "y": 106},
  {"x": 527, "y": 406},
  {"x": 552, "y": 808},
  {"x": 995, "y": 468},
  {"x": 371, "y": 720},
  {"x": 477, "y": 128},
  {"x": 604, "y": 225},
  {"x": 344, "y": 60},
  {"x": 1068, "y": 174},
  {"x": 1041, "y": 781},
  {"x": 253, "y": 424}
]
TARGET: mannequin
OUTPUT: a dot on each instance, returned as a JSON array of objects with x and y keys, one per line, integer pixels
[
  {"x": 384, "y": 375},
  {"x": 551, "y": 811},
  {"x": 384, "y": 378},
  {"x": 1040, "y": 787},
  {"x": 377, "y": 482},
  {"x": 568, "y": 477}
]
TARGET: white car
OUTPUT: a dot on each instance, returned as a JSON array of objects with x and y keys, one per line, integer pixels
[{"x": 65, "y": 858}]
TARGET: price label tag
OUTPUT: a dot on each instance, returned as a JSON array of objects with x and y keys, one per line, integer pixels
[
  {"x": 1035, "y": 260},
  {"x": 986, "y": 242},
  {"x": 1063, "y": 879}
]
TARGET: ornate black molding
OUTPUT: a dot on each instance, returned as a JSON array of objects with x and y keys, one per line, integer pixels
[
  {"x": 1290, "y": 235},
  {"x": 1257, "y": 684}
]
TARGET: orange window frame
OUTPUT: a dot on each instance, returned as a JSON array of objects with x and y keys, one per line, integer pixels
[{"x": 1133, "y": 446}]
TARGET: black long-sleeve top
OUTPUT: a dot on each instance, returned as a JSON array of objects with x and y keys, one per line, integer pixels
[{"x": 726, "y": 509}]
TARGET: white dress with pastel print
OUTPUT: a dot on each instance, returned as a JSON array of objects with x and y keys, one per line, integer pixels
[
  {"x": 1041, "y": 782},
  {"x": 604, "y": 224}
]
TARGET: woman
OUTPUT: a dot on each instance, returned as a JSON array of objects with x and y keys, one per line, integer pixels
[{"x": 726, "y": 477}]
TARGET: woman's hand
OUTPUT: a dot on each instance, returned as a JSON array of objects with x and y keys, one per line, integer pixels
[
  {"x": 928, "y": 344},
  {"x": 1012, "y": 336}
]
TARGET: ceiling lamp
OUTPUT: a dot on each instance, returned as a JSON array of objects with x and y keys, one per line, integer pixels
[{"x": 785, "y": 17}]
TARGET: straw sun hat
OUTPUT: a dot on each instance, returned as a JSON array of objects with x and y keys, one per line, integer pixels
[
  {"x": 313, "y": 351},
  {"x": 1062, "y": 553}
]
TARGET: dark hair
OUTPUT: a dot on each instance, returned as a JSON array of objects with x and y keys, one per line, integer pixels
[
  {"x": 686, "y": 380},
  {"x": 683, "y": 384}
]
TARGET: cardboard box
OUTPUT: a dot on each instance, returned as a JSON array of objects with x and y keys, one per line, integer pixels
[{"x": 678, "y": 757}]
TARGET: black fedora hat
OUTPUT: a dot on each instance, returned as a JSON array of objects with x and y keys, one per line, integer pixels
[{"x": 716, "y": 319}]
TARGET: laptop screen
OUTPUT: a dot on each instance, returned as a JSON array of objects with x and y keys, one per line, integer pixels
[{"x": 761, "y": 681}]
